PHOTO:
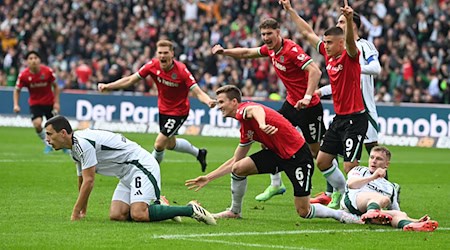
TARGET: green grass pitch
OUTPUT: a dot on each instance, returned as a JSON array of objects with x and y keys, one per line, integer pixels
[{"x": 37, "y": 193}]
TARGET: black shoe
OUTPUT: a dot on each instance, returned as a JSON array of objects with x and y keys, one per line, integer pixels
[{"x": 201, "y": 157}]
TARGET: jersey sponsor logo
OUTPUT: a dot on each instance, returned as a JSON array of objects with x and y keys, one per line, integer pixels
[
  {"x": 278, "y": 65},
  {"x": 38, "y": 84},
  {"x": 167, "y": 83},
  {"x": 337, "y": 68}
]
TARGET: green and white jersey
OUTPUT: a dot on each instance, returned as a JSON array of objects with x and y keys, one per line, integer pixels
[
  {"x": 380, "y": 185},
  {"x": 369, "y": 53},
  {"x": 109, "y": 152}
]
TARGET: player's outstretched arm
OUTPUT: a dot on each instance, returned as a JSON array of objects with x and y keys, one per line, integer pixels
[
  {"x": 225, "y": 168},
  {"x": 119, "y": 84},
  {"x": 203, "y": 97},
  {"x": 303, "y": 27},
  {"x": 236, "y": 52},
  {"x": 87, "y": 184},
  {"x": 56, "y": 93}
]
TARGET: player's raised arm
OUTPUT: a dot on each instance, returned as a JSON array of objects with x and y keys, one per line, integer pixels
[
  {"x": 350, "y": 43},
  {"x": 236, "y": 52},
  {"x": 302, "y": 25},
  {"x": 119, "y": 84}
]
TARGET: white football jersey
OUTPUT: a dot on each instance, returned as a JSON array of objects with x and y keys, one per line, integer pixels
[
  {"x": 109, "y": 152},
  {"x": 380, "y": 185}
]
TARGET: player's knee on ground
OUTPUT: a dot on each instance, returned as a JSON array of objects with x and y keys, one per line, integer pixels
[
  {"x": 117, "y": 216},
  {"x": 303, "y": 211},
  {"x": 139, "y": 215}
]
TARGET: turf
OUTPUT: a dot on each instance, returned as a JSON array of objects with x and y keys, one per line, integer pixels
[{"x": 37, "y": 193}]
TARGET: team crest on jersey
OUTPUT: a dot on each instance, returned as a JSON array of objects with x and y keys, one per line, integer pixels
[
  {"x": 250, "y": 134},
  {"x": 282, "y": 59},
  {"x": 42, "y": 77},
  {"x": 174, "y": 76}
]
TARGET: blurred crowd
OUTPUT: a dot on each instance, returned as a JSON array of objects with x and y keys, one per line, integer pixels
[{"x": 91, "y": 41}]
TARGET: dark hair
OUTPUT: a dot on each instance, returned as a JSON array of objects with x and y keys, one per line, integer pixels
[
  {"x": 384, "y": 150},
  {"x": 357, "y": 19},
  {"x": 231, "y": 91},
  {"x": 32, "y": 52},
  {"x": 59, "y": 123},
  {"x": 269, "y": 23},
  {"x": 334, "y": 31}
]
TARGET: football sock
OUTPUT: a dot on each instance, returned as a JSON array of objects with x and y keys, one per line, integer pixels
[
  {"x": 275, "y": 180},
  {"x": 335, "y": 177},
  {"x": 184, "y": 146},
  {"x": 238, "y": 189},
  {"x": 373, "y": 206},
  {"x": 330, "y": 189},
  {"x": 321, "y": 211},
  {"x": 403, "y": 223},
  {"x": 160, "y": 212},
  {"x": 42, "y": 136},
  {"x": 159, "y": 155}
]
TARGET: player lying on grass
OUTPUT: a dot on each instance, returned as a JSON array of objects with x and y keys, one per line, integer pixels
[
  {"x": 286, "y": 151},
  {"x": 368, "y": 192},
  {"x": 111, "y": 154}
]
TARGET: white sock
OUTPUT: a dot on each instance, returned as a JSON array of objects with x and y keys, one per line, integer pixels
[
  {"x": 238, "y": 189},
  {"x": 275, "y": 180},
  {"x": 335, "y": 177},
  {"x": 159, "y": 155},
  {"x": 184, "y": 146},
  {"x": 321, "y": 211}
]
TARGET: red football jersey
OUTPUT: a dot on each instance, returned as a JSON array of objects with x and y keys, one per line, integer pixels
[
  {"x": 173, "y": 86},
  {"x": 345, "y": 79},
  {"x": 285, "y": 142},
  {"x": 289, "y": 63},
  {"x": 39, "y": 85}
]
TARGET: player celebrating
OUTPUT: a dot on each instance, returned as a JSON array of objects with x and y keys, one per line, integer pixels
[
  {"x": 110, "y": 154},
  {"x": 368, "y": 192},
  {"x": 349, "y": 126},
  {"x": 300, "y": 75},
  {"x": 370, "y": 67},
  {"x": 286, "y": 151},
  {"x": 44, "y": 93},
  {"x": 174, "y": 81}
]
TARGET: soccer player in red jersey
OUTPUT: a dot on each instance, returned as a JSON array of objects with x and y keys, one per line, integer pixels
[
  {"x": 300, "y": 75},
  {"x": 44, "y": 93},
  {"x": 285, "y": 150},
  {"x": 347, "y": 131},
  {"x": 174, "y": 81}
]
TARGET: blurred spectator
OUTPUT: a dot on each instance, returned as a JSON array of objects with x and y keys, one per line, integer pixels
[{"x": 412, "y": 37}]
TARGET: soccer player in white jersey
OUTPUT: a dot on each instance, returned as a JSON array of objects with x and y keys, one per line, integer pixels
[
  {"x": 367, "y": 192},
  {"x": 111, "y": 154},
  {"x": 370, "y": 67}
]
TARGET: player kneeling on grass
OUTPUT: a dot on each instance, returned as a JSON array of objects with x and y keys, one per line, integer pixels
[
  {"x": 368, "y": 192},
  {"x": 111, "y": 154},
  {"x": 286, "y": 151}
]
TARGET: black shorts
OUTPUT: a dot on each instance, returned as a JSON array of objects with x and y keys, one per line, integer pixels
[
  {"x": 345, "y": 136},
  {"x": 309, "y": 120},
  {"x": 299, "y": 168},
  {"x": 169, "y": 124},
  {"x": 41, "y": 111}
]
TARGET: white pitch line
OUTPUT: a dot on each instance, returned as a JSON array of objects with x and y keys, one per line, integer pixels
[
  {"x": 245, "y": 244},
  {"x": 186, "y": 236}
]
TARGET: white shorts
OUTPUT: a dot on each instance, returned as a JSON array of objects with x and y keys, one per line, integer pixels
[
  {"x": 348, "y": 202},
  {"x": 142, "y": 183},
  {"x": 372, "y": 129}
]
